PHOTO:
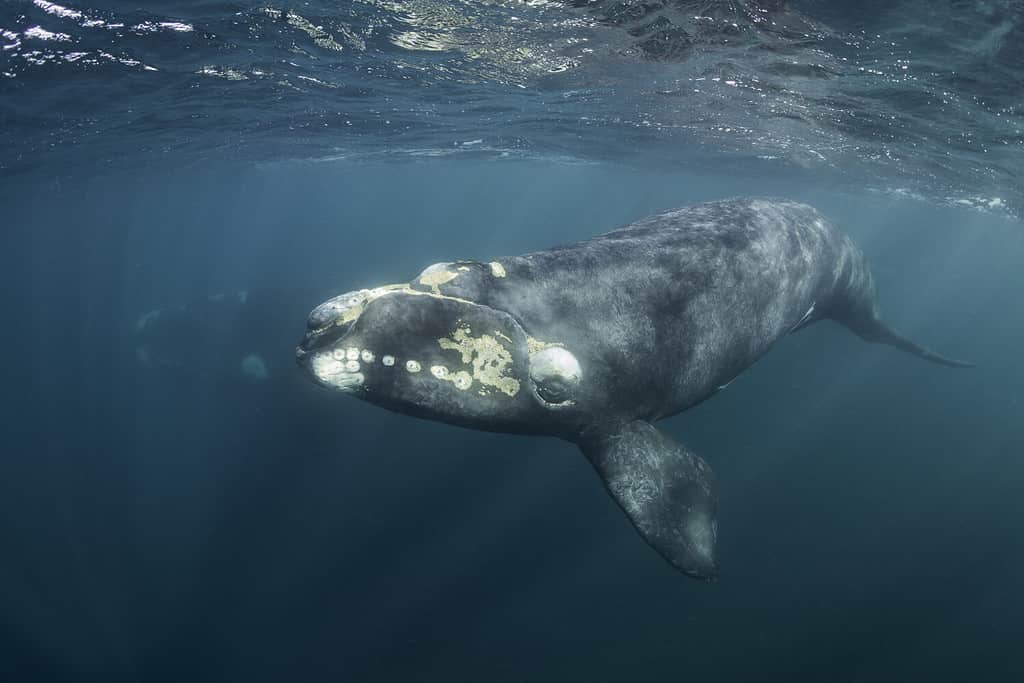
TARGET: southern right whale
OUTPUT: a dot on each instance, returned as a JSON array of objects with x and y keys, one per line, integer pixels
[{"x": 595, "y": 341}]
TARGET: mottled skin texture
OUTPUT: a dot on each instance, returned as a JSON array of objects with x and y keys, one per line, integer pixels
[
  {"x": 657, "y": 317},
  {"x": 668, "y": 309}
]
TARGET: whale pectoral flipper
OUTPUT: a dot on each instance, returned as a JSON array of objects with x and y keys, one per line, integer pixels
[{"x": 667, "y": 492}]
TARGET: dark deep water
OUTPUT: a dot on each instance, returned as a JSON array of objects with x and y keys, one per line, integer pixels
[
  {"x": 163, "y": 525},
  {"x": 165, "y": 516}
]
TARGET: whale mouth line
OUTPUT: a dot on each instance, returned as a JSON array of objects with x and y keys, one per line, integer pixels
[{"x": 325, "y": 336}]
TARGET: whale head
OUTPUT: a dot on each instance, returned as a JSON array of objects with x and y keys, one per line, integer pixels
[{"x": 416, "y": 351}]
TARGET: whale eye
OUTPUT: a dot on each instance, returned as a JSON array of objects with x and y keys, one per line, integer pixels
[{"x": 555, "y": 374}]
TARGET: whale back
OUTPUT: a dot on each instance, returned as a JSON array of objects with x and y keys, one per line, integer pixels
[
  {"x": 596, "y": 340},
  {"x": 662, "y": 312}
]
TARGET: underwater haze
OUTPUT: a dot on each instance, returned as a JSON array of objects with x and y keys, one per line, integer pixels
[{"x": 181, "y": 184}]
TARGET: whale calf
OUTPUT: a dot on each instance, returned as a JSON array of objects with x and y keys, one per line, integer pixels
[{"x": 595, "y": 341}]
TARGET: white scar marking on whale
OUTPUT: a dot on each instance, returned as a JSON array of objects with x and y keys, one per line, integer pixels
[
  {"x": 336, "y": 373},
  {"x": 807, "y": 316}
]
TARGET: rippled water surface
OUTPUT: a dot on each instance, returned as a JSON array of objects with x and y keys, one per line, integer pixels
[{"x": 910, "y": 96}]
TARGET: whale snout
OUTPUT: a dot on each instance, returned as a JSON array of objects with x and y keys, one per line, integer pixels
[
  {"x": 332, "y": 362},
  {"x": 434, "y": 356}
]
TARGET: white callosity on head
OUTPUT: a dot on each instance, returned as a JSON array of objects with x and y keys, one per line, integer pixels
[
  {"x": 366, "y": 355},
  {"x": 497, "y": 270},
  {"x": 461, "y": 380},
  {"x": 388, "y": 360},
  {"x": 339, "y": 310},
  {"x": 490, "y": 360},
  {"x": 347, "y": 308},
  {"x": 352, "y": 353},
  {"x": 336, "y": 373},
  {"x": 412, "y": 365},
  {"x": 436, "y": 275},
  {"x": 555, "y": 374}
]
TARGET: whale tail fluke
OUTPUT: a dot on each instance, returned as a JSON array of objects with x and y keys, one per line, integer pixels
[
  {"x": 667, "y": 492},
  {"x": 874, "y": 330}
]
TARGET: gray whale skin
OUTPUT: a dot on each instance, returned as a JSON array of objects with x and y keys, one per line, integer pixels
[{"x": 595, "y": 341}]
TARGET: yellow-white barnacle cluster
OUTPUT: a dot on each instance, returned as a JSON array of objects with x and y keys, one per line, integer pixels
[
  {"x": 488, "y": 360},
  {"x": 346, "y": 308},
  {"x": 461, "y": 379},
  {"x": 343, "y": 368},
  {"x": 535, "y": 345},
  {"x": 436, "y": 275},
  {"x": 339, "y": 374},
  {"x": 349, "y": 358}
]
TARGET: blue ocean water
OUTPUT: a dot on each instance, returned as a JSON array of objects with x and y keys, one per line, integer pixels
[
  {"x": 914, "y": 96},
  {"x": 167, "y": 515}
]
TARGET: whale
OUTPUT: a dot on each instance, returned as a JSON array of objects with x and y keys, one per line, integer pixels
[{"x": 596, "y": 341}]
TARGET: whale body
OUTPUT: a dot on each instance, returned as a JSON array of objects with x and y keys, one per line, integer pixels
[{"x": 595, "y": 341}]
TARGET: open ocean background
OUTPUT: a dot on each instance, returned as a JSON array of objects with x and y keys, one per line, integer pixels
[{"x": 165, "y": 516}]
